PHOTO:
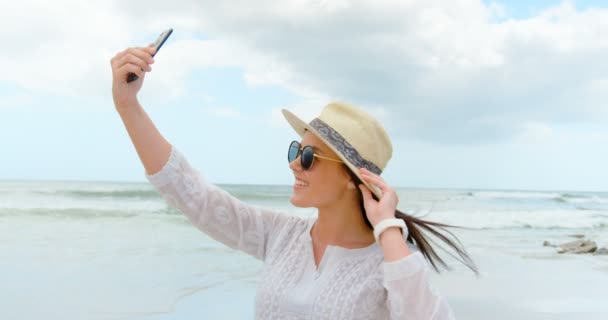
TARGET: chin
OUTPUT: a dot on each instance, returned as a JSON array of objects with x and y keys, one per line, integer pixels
[
  {"x": 295, "y": 201},
  {"x": 299, "y": 202}
]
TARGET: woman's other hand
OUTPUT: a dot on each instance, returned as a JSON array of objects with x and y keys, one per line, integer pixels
[{"x": 384, "y": 208}]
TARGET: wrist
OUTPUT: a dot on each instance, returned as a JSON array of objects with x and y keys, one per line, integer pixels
[
  {"x": 386, "y": 224},
  {"x": 393, "y": 246},
  {"x": 390, "y": 234}
]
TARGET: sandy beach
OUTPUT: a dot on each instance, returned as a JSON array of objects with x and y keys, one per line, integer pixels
[{"x": 515, "y": 283}]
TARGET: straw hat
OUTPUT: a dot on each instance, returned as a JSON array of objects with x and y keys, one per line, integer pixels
[{"x": 355, "y": 136}]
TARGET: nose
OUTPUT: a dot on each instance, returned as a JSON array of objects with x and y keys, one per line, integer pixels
[{"x": 296, "y": 164}]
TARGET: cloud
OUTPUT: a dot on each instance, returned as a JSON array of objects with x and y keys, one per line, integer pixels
[
  {"x": 64, "y": 48},
  {"x": 535, "y": 133},
  {"x": 306, "y": 110},
  {"x": 57, "y": 48},
  {"x": 445, "y": 72}
]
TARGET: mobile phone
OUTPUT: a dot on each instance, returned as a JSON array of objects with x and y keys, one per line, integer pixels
[{"x": 157, "y": 45}]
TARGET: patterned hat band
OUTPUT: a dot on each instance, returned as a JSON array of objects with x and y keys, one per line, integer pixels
[{"x": 346, "y": 149}]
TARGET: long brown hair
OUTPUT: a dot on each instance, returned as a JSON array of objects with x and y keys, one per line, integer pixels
[{"x": 418, "y": 227}]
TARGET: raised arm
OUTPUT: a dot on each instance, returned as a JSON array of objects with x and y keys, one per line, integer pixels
[
  {"x": 215, "y": 212},
  {"x": 152, "y": 148}
]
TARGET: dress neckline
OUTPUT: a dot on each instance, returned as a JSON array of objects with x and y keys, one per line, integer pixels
[{"x": 338, "y": 250}]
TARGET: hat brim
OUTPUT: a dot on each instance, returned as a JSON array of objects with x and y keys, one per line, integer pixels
[{"x": 301, "y": 127}]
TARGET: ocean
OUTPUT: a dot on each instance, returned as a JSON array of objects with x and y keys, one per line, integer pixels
[{"x": 100, "y": 250}]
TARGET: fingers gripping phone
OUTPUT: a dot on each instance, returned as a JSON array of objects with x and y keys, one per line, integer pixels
[{"x": 157, "y": 45}]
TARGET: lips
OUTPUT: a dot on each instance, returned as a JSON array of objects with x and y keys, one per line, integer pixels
[{"x": 300, "y": 183}]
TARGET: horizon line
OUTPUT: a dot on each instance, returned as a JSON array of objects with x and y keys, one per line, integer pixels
[{"x": 4, "y": 180}]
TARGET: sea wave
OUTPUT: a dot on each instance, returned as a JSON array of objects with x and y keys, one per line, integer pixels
[
  {"x": 533, "y": 219},
  {"x": 85, "y": 213},
  {"x": 513, "y": 195},
  {"x": 126, "y": 193},
  {"x": 261, "y": 192},
  {"x": 581, "y": 199},
  {"x": 137, "y": 194},
  {"x": 569, "y": 197},
  {"x": 597, "y": 226},
  {"x": 479, "y": 209}
]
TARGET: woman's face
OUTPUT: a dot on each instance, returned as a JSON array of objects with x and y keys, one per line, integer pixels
[{"x": 325, "y": 182}]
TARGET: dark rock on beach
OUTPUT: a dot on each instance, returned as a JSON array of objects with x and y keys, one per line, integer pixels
[
  {"x": 549, "y": 244},
  {"x": 578, "y": 246}
]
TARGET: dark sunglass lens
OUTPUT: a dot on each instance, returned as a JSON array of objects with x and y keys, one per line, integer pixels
[
  {"x": 294, "y": 149},
  {"x": 308, "y": 156}
]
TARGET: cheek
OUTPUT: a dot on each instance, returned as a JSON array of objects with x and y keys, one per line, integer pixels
[
  {"x": 329, "y": 186},
  {"x": 324, "y": 187}
]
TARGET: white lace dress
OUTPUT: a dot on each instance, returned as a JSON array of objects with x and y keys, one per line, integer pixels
[{"x": 348, "y": 284}]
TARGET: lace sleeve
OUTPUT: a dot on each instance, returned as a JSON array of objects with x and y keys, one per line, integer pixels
[
  {"x": 213, "y": 210},
  {"x": 410, "y": 295}
]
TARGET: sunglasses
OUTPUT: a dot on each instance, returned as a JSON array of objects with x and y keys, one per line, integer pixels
[{"x": 307, "y": 155}]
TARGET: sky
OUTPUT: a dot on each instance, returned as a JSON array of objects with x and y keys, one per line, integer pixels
[{"x": 474, "y": 95}]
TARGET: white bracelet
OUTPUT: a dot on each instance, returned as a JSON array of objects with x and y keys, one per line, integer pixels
[{"x": 389, "y": 223}]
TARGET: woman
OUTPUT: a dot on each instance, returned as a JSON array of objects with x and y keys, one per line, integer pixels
[{"x": 352, "y": 261}]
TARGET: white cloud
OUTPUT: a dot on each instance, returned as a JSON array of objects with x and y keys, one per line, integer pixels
[
  {"x": 441, "y": 71},
  {"x": 64, "y": 48},
  {"x": 58, "y": 48},
  {"x": 444, "y": 72},
  {"x": 497, "y": 11},
  {"x": 305, "y": 110},
  {"x": 534, "y": 133}
]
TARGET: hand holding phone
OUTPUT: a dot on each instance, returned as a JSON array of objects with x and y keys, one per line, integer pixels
[{"x": 157, "y": 45}]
